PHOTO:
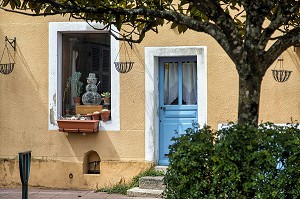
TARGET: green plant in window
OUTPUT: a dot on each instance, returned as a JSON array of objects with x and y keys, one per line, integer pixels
[
  {"x": 105, "y": 94},
  {"x": 66, "y": 90},
  {"x": 68, "y": 107},
  {"x": 75, "y": 81}
]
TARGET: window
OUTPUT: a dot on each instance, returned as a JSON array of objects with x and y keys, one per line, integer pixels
[
  {"x": 75, "y": 46},
  {"x": 85, "y": 53}
]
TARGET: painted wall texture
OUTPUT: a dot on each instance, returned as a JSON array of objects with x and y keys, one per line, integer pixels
[{"x": 24, "y": 107}]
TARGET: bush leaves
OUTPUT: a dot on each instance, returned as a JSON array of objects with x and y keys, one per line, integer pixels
[{"x": 241, "y": 161}]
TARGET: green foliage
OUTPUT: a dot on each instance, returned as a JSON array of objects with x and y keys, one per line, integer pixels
[
  {"x": 122, "y": 187},
  {"x": 75, "y": 81},
  {"x": 248, "y": 31},
  {"x": 105, "y": 94},
  {"x": 149, "y": 172},
  {"x": 241, "y": 161}
]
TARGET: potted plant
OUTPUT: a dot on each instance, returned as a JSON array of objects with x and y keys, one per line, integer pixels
[
  {"x": 105, "y": 96},
  {"x": 67, "y": 109},
  {"x": 67, "y": 89},
  {"x": 77, "y": 86},
  {"x": 105, "y": 113}
]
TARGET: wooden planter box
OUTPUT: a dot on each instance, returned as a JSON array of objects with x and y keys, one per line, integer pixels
[
  {"x": 87, "y": 109},
  {"x": 78, "y": 126}
]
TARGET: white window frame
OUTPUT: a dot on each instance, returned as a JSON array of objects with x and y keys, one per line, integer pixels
[
  {"x": 152, "y": 55},
  {"x": 56, "y": 29}
]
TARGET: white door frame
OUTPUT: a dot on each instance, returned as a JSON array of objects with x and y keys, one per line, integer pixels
[{"x": 151, "y": 91}]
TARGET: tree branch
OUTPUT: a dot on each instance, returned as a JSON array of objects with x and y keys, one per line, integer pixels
[
  {"x": 289, "y": 39},
  {"x": 100, "y": 13},
  {"x": 32, "y": 14},
  {"x": 222, "y": 19},
  {"x": 278, "y": 19}
]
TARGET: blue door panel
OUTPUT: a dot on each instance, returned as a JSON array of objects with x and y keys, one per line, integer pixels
[
  {"x": 186, "y": 126},
  {"x": 176, "y": 116},
  {"x": 169, "y": 129},
  {"x": 180, "y": 114}
]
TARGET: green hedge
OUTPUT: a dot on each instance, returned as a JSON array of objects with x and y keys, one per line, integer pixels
[{"x": 241, "y": 161}]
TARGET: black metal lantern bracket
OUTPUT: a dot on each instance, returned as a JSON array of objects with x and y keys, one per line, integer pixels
[
  {"x": 6, "y": 68},
  {"x": 12, "y": 42},
  {"x": 281, "y": 75}
]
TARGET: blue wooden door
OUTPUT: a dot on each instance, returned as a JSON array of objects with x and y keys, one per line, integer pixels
[{"x": 177, "y": 100}]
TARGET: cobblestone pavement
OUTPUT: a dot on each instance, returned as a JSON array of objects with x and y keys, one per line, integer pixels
[{"x": 37, "y": 193}]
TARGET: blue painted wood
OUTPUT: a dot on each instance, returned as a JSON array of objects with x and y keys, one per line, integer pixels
[{"x": 173, "y": 118}]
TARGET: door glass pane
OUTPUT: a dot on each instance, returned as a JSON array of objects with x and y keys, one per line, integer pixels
[
  {"x": 189, "y": 83},
  {"x": 171, "y": 83}
]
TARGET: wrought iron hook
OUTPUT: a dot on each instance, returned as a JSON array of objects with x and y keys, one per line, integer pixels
[
  {"x": 12, "y": 42},
  {"x": 130, "y": 42}
]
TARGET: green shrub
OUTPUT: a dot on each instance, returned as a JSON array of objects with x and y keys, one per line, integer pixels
[
  {"x": 120, "y": 188},
  {"x": 241, "y": 161}
]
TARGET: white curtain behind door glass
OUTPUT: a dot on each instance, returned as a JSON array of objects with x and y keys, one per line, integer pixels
[
  {"x": 171, "y": 83},
  {"x": 189, "y": 82}
]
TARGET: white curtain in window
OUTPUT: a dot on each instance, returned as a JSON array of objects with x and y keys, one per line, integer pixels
[
  {"x": 74, "y": 55},
  {"x": 189, "y": 82},
  {"x": 74, "y": 58},
  {"x": 171, "y": 82}
]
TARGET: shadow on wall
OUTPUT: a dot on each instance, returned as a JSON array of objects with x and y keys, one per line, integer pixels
[
  {"x": 294, "y": 53},
  {"x": 23, "y": 104},
  {"x": 20, "y": 55},
  {"x": 100, "y": 143}
]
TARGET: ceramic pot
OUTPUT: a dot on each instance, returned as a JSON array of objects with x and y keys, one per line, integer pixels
[
  {"x": 76, "y": 100},
  {"x": 106, "y": 100},
  {"x": 105, "y": 115},
  {"x": 96, "y": 116}
]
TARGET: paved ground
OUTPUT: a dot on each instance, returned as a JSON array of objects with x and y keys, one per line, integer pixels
[{"x": 35, "y": 193}]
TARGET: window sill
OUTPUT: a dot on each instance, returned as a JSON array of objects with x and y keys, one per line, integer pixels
[{"x": 78, "y": 126}]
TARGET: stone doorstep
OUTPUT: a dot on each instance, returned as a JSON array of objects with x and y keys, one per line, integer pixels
[
  {"x": 152, "y": 182},
  {"x": 149, "y": 186},
  {"x": 146, "y": 193},
  {"x": 161, "y": 168}
]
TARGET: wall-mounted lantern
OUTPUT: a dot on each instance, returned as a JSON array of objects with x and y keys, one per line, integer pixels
[
  {"x": 7, "y": 67},
  {"x": 281, "y": 75}
]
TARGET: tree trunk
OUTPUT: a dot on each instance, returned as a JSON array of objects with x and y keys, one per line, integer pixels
[{"x": 249, "y": 96}]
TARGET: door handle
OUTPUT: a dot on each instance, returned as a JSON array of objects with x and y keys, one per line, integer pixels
[{"x": 163, "y": 108}]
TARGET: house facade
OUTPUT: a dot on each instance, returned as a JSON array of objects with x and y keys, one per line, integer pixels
[{"x": 175, "y": 80}]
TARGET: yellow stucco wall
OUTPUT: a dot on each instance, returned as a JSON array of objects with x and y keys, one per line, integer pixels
[
  {"x": 24, "y": 107},
  {"x": 59, "y": 174},
  {"x": 25, "y": 120}
]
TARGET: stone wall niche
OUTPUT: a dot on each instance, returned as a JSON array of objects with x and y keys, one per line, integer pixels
[{"x": 91, "y": 163}]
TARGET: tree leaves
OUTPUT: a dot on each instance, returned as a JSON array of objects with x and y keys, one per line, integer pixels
[
  {"x": 241, "y": 161},
  {"x": 201, "y": 11},
  {"x": 224, "y": 20},
  {"x": 182, "y": 28},
  {"x": 118, "y": 22}
]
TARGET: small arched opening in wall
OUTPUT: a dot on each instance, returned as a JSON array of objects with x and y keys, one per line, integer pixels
[{"x": 91, "y": 163}]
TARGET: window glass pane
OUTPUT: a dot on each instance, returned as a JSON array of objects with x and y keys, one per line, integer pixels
[
  {"x": 189, "y": 83},
  {"x": 171, "y": 83},
  {"x": 85, "y": 53}
]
